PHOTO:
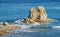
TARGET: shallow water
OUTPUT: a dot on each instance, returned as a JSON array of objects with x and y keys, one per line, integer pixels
[{"x": 13, "y": 12}]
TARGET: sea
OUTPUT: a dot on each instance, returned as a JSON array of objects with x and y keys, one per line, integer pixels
[{"x": 15, "y": 12}]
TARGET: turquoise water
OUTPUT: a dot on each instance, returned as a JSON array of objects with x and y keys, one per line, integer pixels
[{"x": 13, "y": 12}]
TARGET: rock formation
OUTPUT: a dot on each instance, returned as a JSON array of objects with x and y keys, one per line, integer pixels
[
  {"x": 42, "y": 13},
  {"x": 33, "y": 14},
  {"x": 37, "y": 15}
]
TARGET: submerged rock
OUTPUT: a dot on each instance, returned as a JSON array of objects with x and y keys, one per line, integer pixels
[{"x": 37, "y": 15}]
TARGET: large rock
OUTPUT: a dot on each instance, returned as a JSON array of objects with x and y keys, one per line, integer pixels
[
  {"x": 42, "y": 13},
  {"x": 37, "y": 15}
]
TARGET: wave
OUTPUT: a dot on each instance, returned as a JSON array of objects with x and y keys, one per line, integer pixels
[
  {"x": 25, "y": 25},
  {"x": 19, "y": 30},
  {"x": 23, "y": 30},
  {"x": 56, "y": 27},
  {"x": 19, "y": 22}
]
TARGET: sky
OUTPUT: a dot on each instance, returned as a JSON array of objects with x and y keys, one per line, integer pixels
[{"x": 27, "y": 1}]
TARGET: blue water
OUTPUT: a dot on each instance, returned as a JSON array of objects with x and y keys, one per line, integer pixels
[{"x": 13, "y": 12}]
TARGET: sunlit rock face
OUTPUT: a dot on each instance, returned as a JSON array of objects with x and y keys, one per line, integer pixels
[
  {"x": 42, "y": 13},
  {"x": 37, "y": 15}
]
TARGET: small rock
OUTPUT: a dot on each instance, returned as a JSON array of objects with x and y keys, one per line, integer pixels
[{"x": 5, "y": 23}]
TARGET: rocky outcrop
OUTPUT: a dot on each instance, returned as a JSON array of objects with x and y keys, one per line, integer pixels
[
  {"x": 42, "y": 13},
  {"x": 37, "y": 15},
  {"x": 7, "y": 27}
]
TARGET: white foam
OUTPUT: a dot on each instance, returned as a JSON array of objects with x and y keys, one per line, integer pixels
[
  {"x": 18, "y": 21},
  {"x": 36, "y": 23},
  {"x": 25, "y": 26},
  {"x": 22, "y": 30},
  {"x": 56, "y": 27}
]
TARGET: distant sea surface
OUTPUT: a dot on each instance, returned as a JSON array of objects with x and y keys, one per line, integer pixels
[{"x": 12, "y": 12}]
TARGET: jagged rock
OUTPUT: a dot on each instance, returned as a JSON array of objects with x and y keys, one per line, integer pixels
[
  {"x": 42, "y": 13},
  {"x": 37, "y": 15}
]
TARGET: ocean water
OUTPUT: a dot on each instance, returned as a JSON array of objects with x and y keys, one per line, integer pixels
[{"x": 12, "y": 12}]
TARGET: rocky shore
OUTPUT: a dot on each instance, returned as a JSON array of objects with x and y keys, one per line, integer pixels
[{"x": 35, "y": 15}]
